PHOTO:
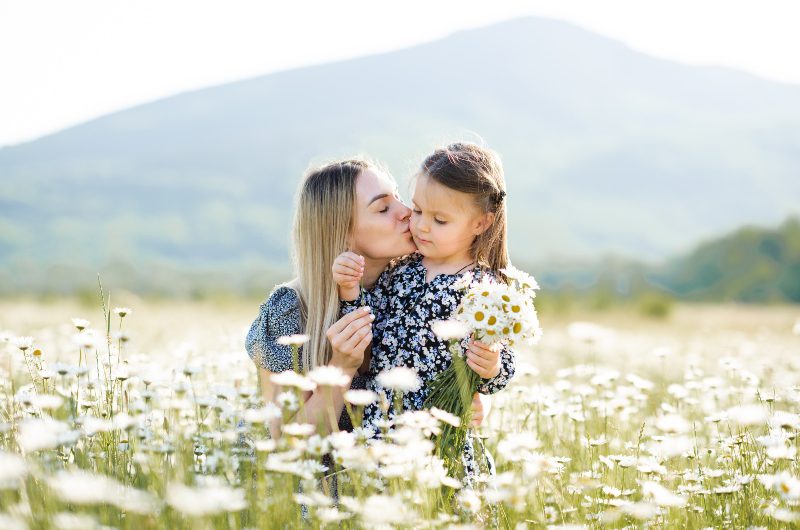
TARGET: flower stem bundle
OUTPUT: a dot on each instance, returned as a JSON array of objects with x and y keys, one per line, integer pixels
[{"x": 452, "y": 391}]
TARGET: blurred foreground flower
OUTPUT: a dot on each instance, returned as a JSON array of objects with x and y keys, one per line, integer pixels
[
  {"x": 292, "y": 378},
  {"x": 360, "y": 397},
  {"x": 23, "y": 343},
  {"x": 82, "y": 487},
  {"x": 80, "y": 323},
  {"x": 12, "y": 469},
  {"x": 293, "y": 340},
  {"x": 329, "y": 376},
  {"x": 205, "y": 500},
  {"x": 400, "y": 378},
  {"x": 450, "y": 329}
]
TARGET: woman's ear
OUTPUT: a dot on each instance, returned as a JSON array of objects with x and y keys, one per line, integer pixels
[{"x": 483, "y": 222}]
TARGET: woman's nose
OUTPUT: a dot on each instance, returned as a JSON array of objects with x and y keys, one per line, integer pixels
[{"x": 404, "y": 213}]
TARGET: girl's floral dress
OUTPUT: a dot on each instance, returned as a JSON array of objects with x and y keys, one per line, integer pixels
[{"x": 405, "y": 305}]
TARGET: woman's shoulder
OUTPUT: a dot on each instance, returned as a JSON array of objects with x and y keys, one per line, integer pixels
[
  {"x": 279, "y": 315},
  {"x": 283, "y": 300}
]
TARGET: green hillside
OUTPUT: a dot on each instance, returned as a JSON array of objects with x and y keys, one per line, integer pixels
[{"x": 750, "y": 265}]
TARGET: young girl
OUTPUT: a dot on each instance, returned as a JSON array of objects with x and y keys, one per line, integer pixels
[{"x": 458, "y": 223}]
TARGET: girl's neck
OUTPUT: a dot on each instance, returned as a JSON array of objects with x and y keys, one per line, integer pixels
[
  {"x": 459, "y": 262},
  {"x": 372, "y": 269}
]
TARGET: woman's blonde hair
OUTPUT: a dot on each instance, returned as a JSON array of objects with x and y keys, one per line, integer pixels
[
  {"x": 323, "y": 221},
  {"x": 476, "y": 170}
]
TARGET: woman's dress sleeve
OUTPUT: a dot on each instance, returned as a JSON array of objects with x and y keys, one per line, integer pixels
[{"x": 279, "y": 315}]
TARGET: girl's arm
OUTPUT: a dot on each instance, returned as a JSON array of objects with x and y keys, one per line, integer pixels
[
  {"x": 348, "y": 269},
  {"x": 507, "y": 362},
  {"x": 494, "y": 364},
  {"x": 378, "y": 296}
]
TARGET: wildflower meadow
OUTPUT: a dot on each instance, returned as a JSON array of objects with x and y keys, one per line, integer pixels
[{"x": 150, "y": 416}]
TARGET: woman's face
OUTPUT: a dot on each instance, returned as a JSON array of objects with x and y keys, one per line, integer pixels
[{"x": 380, "y": 228}]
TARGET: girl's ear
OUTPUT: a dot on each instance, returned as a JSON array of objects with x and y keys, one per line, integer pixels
[{"x": 483, "y": 222}]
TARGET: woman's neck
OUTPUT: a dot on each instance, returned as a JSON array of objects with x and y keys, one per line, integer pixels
[{"x": 372, "y": 269}]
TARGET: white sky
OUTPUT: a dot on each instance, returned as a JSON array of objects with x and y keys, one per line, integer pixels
[{"x": 65, "y": 62}]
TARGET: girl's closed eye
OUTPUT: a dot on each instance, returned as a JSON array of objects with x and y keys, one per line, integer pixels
[{"x": 417, "y": 211}]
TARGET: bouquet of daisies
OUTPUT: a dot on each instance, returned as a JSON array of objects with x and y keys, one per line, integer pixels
[{"x": 495, "y": 313}]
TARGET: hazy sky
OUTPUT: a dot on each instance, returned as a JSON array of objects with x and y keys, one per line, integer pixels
[{"x": 65, "y": 62}]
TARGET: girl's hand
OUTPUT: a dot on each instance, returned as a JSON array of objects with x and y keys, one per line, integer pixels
[
  {"x": 349, "y": 336},
  {"x": 483, "y": 359},
  {"x": 348, "y": 269}
]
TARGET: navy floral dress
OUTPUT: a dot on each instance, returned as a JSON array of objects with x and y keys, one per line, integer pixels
[{"x": 405, "y": 305}]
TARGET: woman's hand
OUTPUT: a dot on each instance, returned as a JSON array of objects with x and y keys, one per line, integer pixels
[
  {"x": 349, "y": 336},
  {"x": 348, "y": 269},
  {"x": 483, "y": 359}
]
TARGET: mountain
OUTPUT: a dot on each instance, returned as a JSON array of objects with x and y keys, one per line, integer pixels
[{"x": 605, "y": 150}]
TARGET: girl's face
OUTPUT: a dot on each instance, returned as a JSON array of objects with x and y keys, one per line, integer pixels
[
  {"x": 445, "y": 222},
  {"x": 380, "y": 228}
]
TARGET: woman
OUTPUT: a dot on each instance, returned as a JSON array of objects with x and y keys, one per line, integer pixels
[
  {"x": 347, "y": 204},
  {"x": 350, "y": 204}
]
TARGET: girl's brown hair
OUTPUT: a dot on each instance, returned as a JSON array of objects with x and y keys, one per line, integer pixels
[{"x": 470, "y": 168}]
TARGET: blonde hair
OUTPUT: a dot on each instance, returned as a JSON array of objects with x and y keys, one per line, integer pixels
[
  {"x": 323, "y": 220},
  {"x": 476, "y": 170}
]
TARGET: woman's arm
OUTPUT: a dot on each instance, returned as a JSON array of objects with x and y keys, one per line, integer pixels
[{"x": 322, "y": 407}]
